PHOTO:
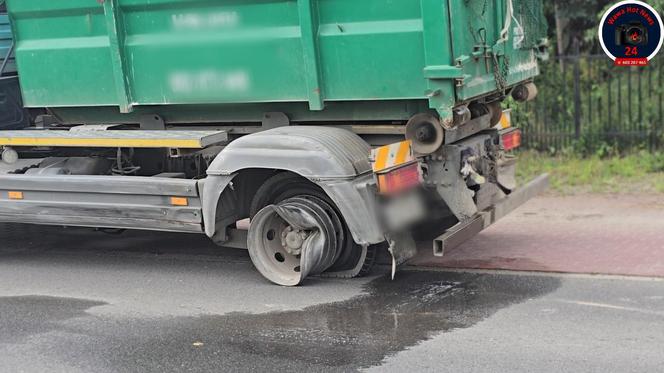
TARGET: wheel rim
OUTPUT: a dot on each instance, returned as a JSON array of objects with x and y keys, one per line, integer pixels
[
  {"x": 338, "y": 225},
  {"x": 293, "y": 239}
]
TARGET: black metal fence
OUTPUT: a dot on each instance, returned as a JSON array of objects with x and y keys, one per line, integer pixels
[{"x": 585, "y": 102}]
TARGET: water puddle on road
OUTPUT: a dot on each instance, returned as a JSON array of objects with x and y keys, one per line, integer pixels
[
  {"x": 25, "y": 316},
  {"x": 362, "y": 331}
]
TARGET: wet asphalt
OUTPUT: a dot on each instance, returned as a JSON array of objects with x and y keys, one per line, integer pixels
[{"x": 75, "y": 300}]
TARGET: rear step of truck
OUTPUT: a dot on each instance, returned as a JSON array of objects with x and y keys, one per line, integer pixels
[
  {"x": 78, "y": 137},
  {"x": 462, "y": 232},
  {"x": 127, "y": 202}
]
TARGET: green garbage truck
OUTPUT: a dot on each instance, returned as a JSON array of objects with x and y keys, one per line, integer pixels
[{"x": 336, "y": 127}]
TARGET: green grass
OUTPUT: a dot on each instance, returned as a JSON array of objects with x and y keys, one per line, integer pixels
[{"x": 641, "y": 172}]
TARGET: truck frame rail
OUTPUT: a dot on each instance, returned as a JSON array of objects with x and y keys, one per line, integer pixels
[{"x": 127, "y": 202}]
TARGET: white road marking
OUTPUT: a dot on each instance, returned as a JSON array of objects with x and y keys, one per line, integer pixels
[{"x": 611, "y": 306}]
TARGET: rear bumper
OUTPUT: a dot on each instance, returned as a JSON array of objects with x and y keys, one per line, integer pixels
[
  {"x": 484, "y": 219},
  {"x": 127, "y": 202}
]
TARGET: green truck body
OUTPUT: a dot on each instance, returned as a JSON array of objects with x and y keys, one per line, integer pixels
[
  {"x": 6, "y": 41},
  {"x": 340, "y": 58},
  {"x": 12, "y": 113}
]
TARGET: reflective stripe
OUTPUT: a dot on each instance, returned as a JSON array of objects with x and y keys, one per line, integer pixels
[
  {"x": 381, "y": 158},
  {"x": 393, "y": 155},
  {"x": 85, "y": 137},
  {"x": 403, "y": 153},
  {"x": 506, "y": 119},
  {"x": 101, "y": 143}
]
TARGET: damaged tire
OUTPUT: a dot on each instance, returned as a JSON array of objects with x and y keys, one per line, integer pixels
[{"x": 297, "y": 231}]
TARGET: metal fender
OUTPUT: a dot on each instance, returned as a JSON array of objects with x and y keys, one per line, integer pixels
[{"x": 335, "y": 159}]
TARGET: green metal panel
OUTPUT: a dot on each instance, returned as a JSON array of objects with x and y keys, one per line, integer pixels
[
  {"x": 12, "y": 113},
  {"x": 5, "y": 44},
  {"x": 478, "y": 49},
  {"x": 149, "y": 55}
]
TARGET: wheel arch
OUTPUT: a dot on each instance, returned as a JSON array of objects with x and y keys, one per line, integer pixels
[{"x": 334, "y": 159}]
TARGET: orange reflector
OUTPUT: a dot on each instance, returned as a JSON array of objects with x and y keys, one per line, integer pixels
[
  {"x": 400, "y": 179},
  {"x": 179, "y": 201},
  {"x": 511, "y": 140},
  {"x": 393, "y": 155},
  {"x": 15, "y": 195},
  {"x": 505, "y": 120}
]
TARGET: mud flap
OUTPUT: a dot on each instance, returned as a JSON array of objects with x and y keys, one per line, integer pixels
[{"x": 402, "y": 248}]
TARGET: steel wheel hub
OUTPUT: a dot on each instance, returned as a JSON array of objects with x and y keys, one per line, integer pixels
[{"x": 294, "y": 239}]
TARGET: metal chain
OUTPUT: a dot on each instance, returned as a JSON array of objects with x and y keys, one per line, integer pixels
[{"x": 500, "y": 73}]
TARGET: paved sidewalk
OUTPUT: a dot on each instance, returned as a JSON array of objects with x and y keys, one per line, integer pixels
[{"x": 619, "y": 235}]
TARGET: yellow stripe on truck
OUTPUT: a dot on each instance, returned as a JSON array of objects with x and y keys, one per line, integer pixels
[
  {"x": 391, "y": 156},
  {"x": 101, "y": 142},
  {"x": 403, "y": 153},
  {"x": 84, "y": 136},
  {"x": 381, "y": 158}
]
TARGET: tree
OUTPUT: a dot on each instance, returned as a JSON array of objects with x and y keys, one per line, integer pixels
[{"x": 572, "y": 20}]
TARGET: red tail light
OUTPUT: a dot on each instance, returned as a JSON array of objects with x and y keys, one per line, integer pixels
[
  {"x": 400, "y": 179},
  {"x": 511, "y": 140}
]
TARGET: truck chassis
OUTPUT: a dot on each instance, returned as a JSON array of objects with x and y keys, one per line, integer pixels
[{"x": 313, "y": 193}]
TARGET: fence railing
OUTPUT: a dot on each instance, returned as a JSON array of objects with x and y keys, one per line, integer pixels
[{"x": 585, "y": 101}]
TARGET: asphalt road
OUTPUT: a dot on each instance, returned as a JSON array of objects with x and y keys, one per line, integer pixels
[{"x": 74, "y": 300}]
